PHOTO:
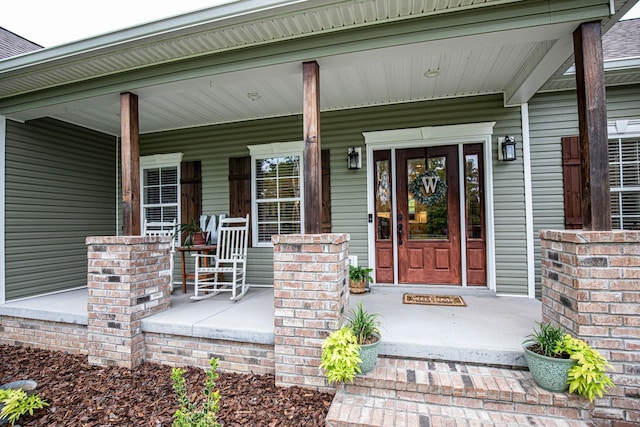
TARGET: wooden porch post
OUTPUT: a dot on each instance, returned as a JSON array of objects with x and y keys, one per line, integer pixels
[
  {"x": 592, "y": 115},
  {"x": 130, "y": 158},
  {"x": 312, "y": 154}
]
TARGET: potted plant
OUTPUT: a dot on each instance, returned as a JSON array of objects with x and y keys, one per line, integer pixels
[
  {"x": 195, "y": 235},
  {"x": 365, "y": 326},
  {"x": 558, "y": 362},
  {"x": 358, "y": 278},
  {"x": 353, "y": 348}
]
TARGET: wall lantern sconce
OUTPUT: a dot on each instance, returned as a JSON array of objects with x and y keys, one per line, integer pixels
[
  {"x": 507, "y": 151},
  {"x": 354, "y": 158}
]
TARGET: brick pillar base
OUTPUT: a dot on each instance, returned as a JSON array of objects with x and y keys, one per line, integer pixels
[
  {"x": 311, "y": 294},
  {"x": 591, "y": 287},
  {"x": 128, "y": 279}
]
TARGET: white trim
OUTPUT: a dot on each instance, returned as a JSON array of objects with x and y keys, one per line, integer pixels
[
  {"x": 263, "y": 151},
  {"x": 489, "y": 219},
  {"x": 623, "y": 128},
  {"x": 118, "y": 229},
  {"x": 461, "y": 202},
  {"x": 160, "y": 159},
  {"x": 430, "y": 137},
  {"x": 528, "y": 201},
  {"x": 277, "y": 148},
  {"x": 421, "y": 136},
  {"x": 3, "y": 206},
  {"x": 157, "y": 161}
]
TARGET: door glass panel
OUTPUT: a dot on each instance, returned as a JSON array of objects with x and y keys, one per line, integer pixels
[
  {"x": 428, "y": 222},
  {"x": 383, "y": 199},
  {"x": 473, "y": 196}
]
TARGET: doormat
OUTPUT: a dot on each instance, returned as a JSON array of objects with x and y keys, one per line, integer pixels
[{"x": 448, "y": 300}]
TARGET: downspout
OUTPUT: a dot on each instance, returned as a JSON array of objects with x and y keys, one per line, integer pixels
[
  {"x": 528, "y": 202},
  {"x": 3, "y": 146}
]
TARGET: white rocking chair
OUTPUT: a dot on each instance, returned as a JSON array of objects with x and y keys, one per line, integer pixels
[
  {"x": 164, "y": 228},
  {"x": 225, "y": 271}
]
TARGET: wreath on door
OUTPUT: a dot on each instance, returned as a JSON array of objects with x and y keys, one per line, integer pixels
[{"x": 422, "y": 183}]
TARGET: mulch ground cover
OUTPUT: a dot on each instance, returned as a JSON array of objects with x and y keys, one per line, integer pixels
[{"x": 81, "y": 395}]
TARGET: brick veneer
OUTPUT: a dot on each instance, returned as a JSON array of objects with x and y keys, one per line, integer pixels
[
  {"x": 242, "y": 357},
  {"x": 591, "y": 286},
  {"x": 128, "y": 279},
  {"x": 45, "y": 334},
  {"x": 310, "y": 296}
]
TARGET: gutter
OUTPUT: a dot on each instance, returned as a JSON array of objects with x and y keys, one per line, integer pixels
[{"x": 222, "y": 15}]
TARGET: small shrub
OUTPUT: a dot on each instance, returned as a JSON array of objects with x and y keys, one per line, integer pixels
[
  {"x": 189, "y": 414},
  {"x": 545, "y": 341},
  {"x": 17, "y": 403},
  {"x": 588, "y": 377},
  {"x": 340, "y": 355},
  {"x": 363, "y": 324}
]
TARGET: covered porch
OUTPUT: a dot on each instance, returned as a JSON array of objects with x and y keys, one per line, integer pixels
[{"x": 488, "y": 331}]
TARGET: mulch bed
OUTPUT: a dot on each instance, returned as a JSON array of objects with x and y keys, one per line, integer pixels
[{"x": 81, "y": 395}]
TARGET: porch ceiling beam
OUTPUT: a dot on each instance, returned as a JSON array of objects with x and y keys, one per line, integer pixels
[
  {"x": 312, "y": 149},
  {"x": 547, "y": 58},
  {"x": 592, "y": 119},
  {"x": 130, "y": 163}
]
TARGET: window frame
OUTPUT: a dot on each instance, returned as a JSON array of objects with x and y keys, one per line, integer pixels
[
  {"x": 160, "y": 161},
  {"x": 617, "y": 131},
  {"x": 266, "y": 151}
]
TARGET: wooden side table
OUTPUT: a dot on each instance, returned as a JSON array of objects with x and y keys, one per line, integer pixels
[{"x": 201, "y": 249}]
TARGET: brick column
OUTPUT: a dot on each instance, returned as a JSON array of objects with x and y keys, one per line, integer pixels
[
  {"x": 591, "y": 286},
  {"x": 128, "y": 279},
  {"x": 311, "y": 294}
]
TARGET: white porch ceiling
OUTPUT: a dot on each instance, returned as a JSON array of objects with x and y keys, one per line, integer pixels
[
  {"x": 482, "y": 64},
  {"x": 515, "y": 62}
]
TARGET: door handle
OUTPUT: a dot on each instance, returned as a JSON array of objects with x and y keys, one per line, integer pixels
[{"x": 399, "y": 234}]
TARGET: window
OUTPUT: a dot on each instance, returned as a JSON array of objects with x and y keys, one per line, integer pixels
[
  {"x": 160, "y": 184},
  {"x": 276, "y": 174},
  {"x": 624, "y": 180}
]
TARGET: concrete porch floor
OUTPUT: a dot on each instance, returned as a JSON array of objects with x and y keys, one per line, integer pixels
[{"x": 488, "y": 331}]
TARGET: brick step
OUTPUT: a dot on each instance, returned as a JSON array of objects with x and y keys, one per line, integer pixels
[
  {"x": 434, "y": 389},
  {"x": 348, "y": 410}
]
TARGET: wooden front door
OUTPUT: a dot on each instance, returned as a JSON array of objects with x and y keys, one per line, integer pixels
[
  {"x": 418, "y": 205},
  {"x": 428, "y": 216}
]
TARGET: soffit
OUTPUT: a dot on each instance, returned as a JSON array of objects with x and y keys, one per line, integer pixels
[{"x": 238, "y": 25}]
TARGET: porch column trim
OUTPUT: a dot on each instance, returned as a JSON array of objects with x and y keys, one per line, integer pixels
[
  {"x": 528, "y": 201},
  {"x": 311, "y": 153},
  {"x": 130, "y": 152},
  {"x": 592, "y": 115}
]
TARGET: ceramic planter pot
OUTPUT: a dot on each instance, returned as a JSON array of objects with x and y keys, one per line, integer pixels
[
  {"x": 369, "y": 356},
  {"x": 549, "y": 373}
]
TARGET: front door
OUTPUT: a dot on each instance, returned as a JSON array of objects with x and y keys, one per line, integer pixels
[
  {"x": 428, "y": 216},
  {"x": 423, "y": 232}
]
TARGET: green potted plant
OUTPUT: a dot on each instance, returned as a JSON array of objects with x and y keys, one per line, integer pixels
[
  {"x": 194, "y": 234},
  {"x": 558, "y": 362},
  {"x": 358, "y": 278},
  {"x": 365, "y": 326},
  {"x": 353, "y": 348}
]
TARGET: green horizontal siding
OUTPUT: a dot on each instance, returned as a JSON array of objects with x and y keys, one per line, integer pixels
[
  {"x": 213, "y": 145},
  {"x": 60, "y": 188},
  {"x": 551, "y": 117}
]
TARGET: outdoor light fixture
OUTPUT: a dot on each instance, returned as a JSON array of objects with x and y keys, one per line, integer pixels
[
  {"x": 354, "y": 160},
  {"x": 508, "y": 149}
]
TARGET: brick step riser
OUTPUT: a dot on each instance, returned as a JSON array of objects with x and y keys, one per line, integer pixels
[
  {"x": 485, "y": 404},
  {"x": 381, "y": 411}
]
